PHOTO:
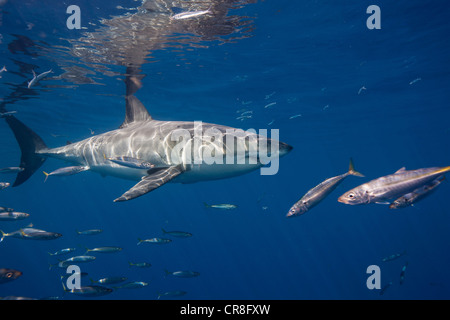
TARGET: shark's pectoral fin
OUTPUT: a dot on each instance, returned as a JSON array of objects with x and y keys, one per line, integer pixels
[{"x": 151, "y": 182}]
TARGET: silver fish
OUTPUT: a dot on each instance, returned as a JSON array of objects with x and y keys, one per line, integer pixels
[
  {"x": 391, "y": 186},
  {"x": 16, "y": 298},
  {"x": 131, "y": 162},
  {"x": 243, "y": 117},
  {"x": 418, "y": 194},
  {"x": 89, "y": 232},
  {"x": 62, "y": 252},
  {"x": 12, "y": 215},
  {"x": 75, "y": 260},
  {"x": 38, "y": 77},
  {"x": 154, "y": 240},
  {"x": 89, "y": 291},
  {"x": 110, "y": 280},
  {"x": 224, "y": 206},
  {"x": 319, "y": 192},
  {"x": 4, "y": 185},
  {"x": 132, "y": 285},
  {"x": 104, "y": 249},
  {"x": 175, "y": 293},
  {"x": 402, "y": 273},
  {"x": 393, "y": 256},
  {"x": 179, "y": 234},
  {"x": 36, "y": 234},
  {"x": 7, "y": 113},
  {"x": 66, "y": 171},
  {"x": 140, "y": 264},
  {"x": 269, "y": 105},
  {"x": 189, "y": 14},
  {"x": 11, "y": 170},
  {"x": 183, "y": 274},
  {"x": 31, "y": 234}
]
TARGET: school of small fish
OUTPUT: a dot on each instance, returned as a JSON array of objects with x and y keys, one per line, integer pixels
[
  {"x": 101, "y": 286},
  {"x": 96, "y": 288},
  {"x": 105, "y": 285}
]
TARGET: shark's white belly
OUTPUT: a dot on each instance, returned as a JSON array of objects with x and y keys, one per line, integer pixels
[{"x": 195, "y": 173}]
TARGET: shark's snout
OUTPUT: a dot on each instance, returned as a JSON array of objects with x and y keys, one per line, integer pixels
[{"x": 284, "y": 148}]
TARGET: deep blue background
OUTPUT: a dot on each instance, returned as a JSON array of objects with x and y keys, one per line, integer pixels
[{"x": 309, "y": 57}]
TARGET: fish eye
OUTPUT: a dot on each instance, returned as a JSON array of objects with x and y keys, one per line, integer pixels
[
  {"x": 9, "y": 274},
  {"x": 351, "y": 195}
]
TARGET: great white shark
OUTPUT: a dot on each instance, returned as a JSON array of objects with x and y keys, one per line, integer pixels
[{"x": 170, "y": 146}]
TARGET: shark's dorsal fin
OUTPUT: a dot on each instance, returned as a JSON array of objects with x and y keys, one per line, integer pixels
[
  {"x": 135, "y": 111},
  {"x": 400, "y": 170}
]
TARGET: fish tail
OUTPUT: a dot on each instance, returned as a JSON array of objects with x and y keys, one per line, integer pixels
[
  {"x": 164, "y": 231},
  {"x": 30, "y": 144},
  {"x": 3, "y": 235},
  {"x": 64, "y": 287},
  {"x": 443, "y": 170},
  {"x": 206, "y": 205},
  {"x": 130, "y": 263},
  {"x": 352, "y": 171},
  {"x": 46, "y": 175},
  {"x": 139, "y": 241}
]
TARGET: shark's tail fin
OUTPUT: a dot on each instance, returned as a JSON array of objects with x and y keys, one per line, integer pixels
[{"x": 30, "y": 143}]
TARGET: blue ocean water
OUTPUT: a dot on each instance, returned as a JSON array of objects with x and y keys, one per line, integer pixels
[{"x": 333, "y": 88}]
